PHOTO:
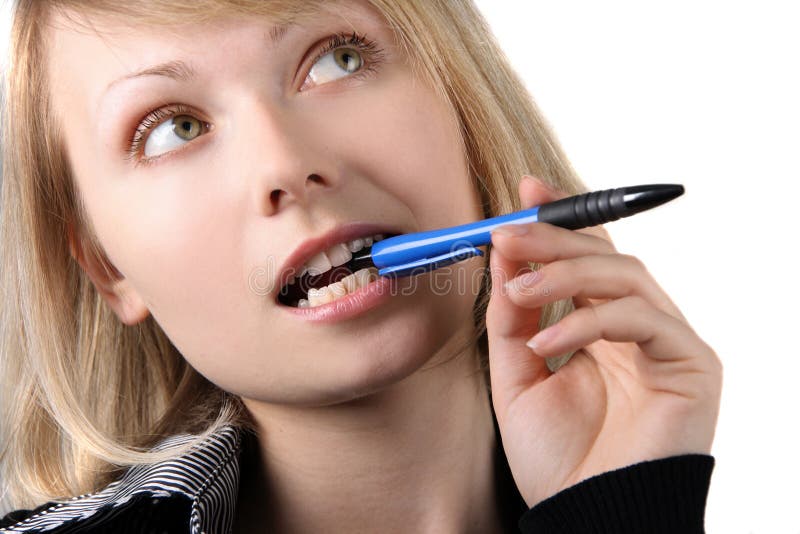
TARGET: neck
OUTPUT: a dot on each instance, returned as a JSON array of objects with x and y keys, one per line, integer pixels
[{"x": 415, "y": 457}]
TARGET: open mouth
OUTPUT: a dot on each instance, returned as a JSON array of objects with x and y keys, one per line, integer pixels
[{"x": 331, "y": 274}]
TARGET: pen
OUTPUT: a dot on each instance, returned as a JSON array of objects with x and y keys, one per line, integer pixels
[{"x": 420, "y": 252}]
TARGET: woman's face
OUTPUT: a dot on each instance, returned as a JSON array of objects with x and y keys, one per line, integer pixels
[{"x": 200, "y": 213}]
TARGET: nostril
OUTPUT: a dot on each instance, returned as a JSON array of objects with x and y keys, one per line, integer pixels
[
  {"x": 275, "y": 196},
  {"x": 316, "y": 178}
]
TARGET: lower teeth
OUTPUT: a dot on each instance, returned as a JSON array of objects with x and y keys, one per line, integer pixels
[{"x": 347, "y": 285}]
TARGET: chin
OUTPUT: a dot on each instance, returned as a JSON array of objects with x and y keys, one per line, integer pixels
[{"x": 368, "y": 358}]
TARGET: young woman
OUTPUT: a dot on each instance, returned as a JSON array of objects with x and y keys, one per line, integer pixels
[{"x": 173, "y": 171}]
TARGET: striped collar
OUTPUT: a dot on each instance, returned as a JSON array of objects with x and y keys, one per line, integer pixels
[
  {"x": 207, "y": 476},
  {"x": 196, "y": 492}
]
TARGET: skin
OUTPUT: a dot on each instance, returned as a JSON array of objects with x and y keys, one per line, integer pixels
[
  {"x": 641, "y": 385},
  {"x": 331, "y": 401},
  {"x": 348, "y": 410}
]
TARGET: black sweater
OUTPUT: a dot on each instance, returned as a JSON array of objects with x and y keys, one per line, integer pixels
[{"x": 197, "y": 493}]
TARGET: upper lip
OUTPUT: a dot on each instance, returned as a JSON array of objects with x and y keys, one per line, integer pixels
[{"x": 340, "y": 234}]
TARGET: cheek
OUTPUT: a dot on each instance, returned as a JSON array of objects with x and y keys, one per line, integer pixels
[
  {"x": 412, "y": 146},
  {"x": 170, "y": 240},
  {"x": 404, "y": 137}
]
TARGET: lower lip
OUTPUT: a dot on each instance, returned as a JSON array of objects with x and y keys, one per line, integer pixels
[{"x": 366, "y": 298}]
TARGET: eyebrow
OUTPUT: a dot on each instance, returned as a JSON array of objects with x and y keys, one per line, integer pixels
[{"x": 181, "y": 71}]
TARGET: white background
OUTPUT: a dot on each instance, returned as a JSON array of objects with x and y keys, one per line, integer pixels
[
  {"x": 703, "y": 93},
  {"x": 707, "y": 94}
]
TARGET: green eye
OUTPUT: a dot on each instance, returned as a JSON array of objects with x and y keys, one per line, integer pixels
[
  {"x": 173, "y": 133},
  {"x": 347, "y": 58},
  {"x": 336, "y": 64},
  {"x": 186, "y": 127}
]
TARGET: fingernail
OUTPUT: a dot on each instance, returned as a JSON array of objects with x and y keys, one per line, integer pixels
[
  {"x": 542, "y": 338},
  {"x": 524, "y": 281},
  {"x": 512, "y": 229}
]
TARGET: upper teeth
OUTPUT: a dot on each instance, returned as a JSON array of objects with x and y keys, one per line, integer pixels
[{"x": 336, "y": 255}]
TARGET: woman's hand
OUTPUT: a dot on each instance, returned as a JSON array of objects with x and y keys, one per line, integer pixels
[{"x": 641, "y": 386}]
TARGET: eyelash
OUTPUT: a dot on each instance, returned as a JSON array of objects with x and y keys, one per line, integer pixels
[{"x": 372, "y": 56}]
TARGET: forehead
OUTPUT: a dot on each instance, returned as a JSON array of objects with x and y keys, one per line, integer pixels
[
  {"x": 89, "y": 52},
  {"x": 189, "y": 28}
]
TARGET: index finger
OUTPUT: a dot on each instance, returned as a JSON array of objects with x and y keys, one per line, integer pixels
[{"x": 545, "y": 243}]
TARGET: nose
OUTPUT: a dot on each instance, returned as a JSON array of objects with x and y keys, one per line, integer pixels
[
  {"x": 286, "y": 166},
  {"x": 287, "y": 189}
]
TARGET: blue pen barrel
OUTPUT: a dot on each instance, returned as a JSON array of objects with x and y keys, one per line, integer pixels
[
  {"x": 419, "y": 252},
  {"x": 407, "y": 248}
]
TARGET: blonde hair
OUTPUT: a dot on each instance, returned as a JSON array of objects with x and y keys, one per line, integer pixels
[{"x": 83, "y": 396}]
